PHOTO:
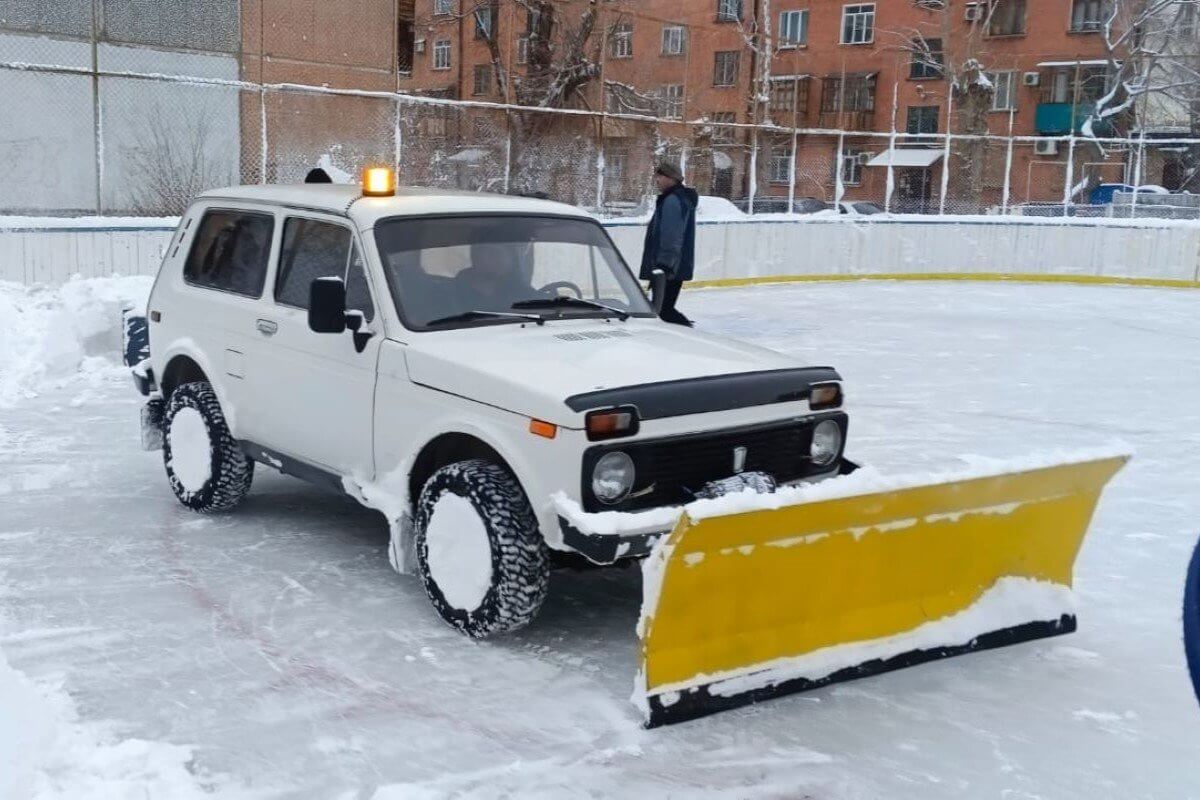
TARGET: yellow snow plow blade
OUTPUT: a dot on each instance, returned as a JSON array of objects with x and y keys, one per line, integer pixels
[{"x": 750, "y": 605}]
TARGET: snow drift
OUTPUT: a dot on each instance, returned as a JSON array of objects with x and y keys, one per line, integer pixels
[{"x": 50, "y": 335}]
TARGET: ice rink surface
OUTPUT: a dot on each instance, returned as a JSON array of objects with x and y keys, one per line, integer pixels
[{"x": 279, "y": 645}]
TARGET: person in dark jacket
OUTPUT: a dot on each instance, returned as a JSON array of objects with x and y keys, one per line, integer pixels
[{"x": 671, "y": 238}]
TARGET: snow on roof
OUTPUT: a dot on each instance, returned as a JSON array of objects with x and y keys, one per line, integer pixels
[
  {"x": 1095, "y": 62},
  {"x": 409, "y": 200},
  {"x": 905, "y": 158}
]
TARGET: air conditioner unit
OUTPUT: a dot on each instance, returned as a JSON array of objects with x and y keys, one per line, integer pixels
[
  {"x": 973, "y": 12},
  {"x": 1031, "y": 78},
  {"x": 1046, "y": 147},
  {"x": 864, "y": 157},
  {"x": 419, "y": 46}
]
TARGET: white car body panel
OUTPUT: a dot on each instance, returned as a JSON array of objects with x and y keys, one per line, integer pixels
[{"x": 360, "y": 415}]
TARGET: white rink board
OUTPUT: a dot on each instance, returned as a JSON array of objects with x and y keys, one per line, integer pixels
[{"x": 44, "y": 250}]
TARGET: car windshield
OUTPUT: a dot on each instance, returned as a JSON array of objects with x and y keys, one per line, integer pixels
[{"x": 443, "y": 271}]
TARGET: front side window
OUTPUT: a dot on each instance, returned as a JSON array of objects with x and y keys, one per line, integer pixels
[
  {"x": 1089, "y": 15},
  {"x": 858, "y": 24},
  {"x": 729, "y": 10},
  {"x": 922, "y": 120},
  {"x": 852, "y": 164},
  {"x": 316, "y": 249},
  {"x": 928, "y": 59},
  {"x": 780, "y": 168},
  {"x": 1005, "y": 98},
  {"x": 725, "y": 67},
  {"x": 793, "y": 28},
  {"x": 672, "y": 40},
  {"x": 441, "y": 54},
  {"x": 620, "y": 44},
  {"x": 230, "y": 252},
  {"x": 1008, "y": 18},
  {"x": 449, "y": 272},
  {"x": 672, "y": 101}
]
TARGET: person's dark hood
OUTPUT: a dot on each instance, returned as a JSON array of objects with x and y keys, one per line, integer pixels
[{"x": 688, "y": 195}]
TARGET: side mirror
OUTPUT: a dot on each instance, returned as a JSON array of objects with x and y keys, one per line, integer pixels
[
  {"x": 658, "y": 285},
  {"x": 327, "y": 305}
]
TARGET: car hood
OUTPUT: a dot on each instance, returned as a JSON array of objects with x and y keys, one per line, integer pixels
[{"x": 533, "y": 369}]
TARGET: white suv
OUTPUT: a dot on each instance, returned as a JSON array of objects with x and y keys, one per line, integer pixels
[{"x": 484, "y": 369}]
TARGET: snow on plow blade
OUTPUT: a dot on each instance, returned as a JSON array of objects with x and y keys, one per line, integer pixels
[{"x": 744, "y": 606}]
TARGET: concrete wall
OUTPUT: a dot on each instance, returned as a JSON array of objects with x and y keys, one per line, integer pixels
[{"x": 50, "y": 251}]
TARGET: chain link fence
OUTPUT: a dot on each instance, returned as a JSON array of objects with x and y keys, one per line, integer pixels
[{"x": 96, "y": 128}]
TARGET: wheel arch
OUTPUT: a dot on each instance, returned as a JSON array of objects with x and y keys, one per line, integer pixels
[
  {"x": 180, "y": 368},
  {"x": 448, "y": 448}
]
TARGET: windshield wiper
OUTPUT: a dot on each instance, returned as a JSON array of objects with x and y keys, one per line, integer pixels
[
  {"x": 565, "y": 300},
  {"x": 467, "y": 316}
]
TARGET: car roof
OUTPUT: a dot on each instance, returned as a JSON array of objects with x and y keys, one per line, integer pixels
[{"x": 348, "y": 200}]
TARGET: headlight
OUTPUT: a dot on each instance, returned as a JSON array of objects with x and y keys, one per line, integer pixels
[
  {"x": 612, "y": 477},
  {"x": 826, "y": 443}
]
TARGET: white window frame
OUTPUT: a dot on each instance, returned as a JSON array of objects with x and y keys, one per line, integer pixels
[
  {"x": 1086, "y": 24},
  {"x": 851, "y": 167},
  {"x": 858, "y": 20},
  {"x": 1008, "y": 79},
  {"x": 729, "y": 10},
  {"x": 779, "y": 166},
  {"x": 620, "y": 44},
  {"x": 672, "y": 101},
  {"x": 442, "y": 55},
  {"x": 674, "y": 38},
  {"x": 523, "y": 50},
  {"x": 484, "y": 23},
  {"x": 443, "y": 8},
  {"x": 793, "y": 28},
  {"x": 736, "y": 68}
]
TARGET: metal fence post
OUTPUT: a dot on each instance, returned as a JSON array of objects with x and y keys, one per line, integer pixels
[{"x": 946, "y": 151}]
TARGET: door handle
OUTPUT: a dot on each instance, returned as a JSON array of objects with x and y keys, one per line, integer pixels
[{"x": 266, "y": 327}]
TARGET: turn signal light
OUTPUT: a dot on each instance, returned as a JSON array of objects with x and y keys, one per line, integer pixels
[
  {"x": 611, "y": 423},
  {"x": 826, "y": 395},
  {"x": 378, "y": 182},
  {"x": 547, "y": 430}
]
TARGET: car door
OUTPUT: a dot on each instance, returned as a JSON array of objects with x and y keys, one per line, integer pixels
[
  {"x": 220, "y": 296},
  {"x": 317, "y": 390}
]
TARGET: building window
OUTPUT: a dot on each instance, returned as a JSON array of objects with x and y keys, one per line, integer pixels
[
  {"x": 858, "y": 24},
  {"x": 523, "y": 50},
  {"x": 443, "y": 7},
  {"x": 729, "y": 10},
  {"x": 850, "y": 92},
  {"x": 779, "y": 169},
  {"x": 1005, "y": 98},
  {"x": 793, "y": 28},
  {"x": 672, "y": 40},
  {"x": 620, "y": 43},
  {"x": 483, "y": 22},
  {"x": 1008, "y": 18},
  {"x": 405, "y": 46},
  {"x": 922, "y": 120},
  {"x": 441, "y": 54},
  {"x": 725, "y": 67},
  {"x": 928, "y": 59},
  {"x": 852, "y": 164},
  {"x": 1089, "y": 15},
  {"x": 483, "y": 79},
  {"x": 614, "y": 170},
  {"x": 672, "y": 101},
  {"x": 722, "y": 132},
  {"x": 788, "y": 98}
]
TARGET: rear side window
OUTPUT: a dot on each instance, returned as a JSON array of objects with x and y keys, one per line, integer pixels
[
  {"x": 230, "y": 252},
  {"x": 314, "y": 249}
]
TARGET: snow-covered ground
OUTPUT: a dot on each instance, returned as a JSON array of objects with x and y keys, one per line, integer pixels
[{"x": 274, "y": 653}]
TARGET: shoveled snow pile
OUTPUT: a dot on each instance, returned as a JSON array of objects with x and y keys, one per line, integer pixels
[
  {"x": 46, "y": 753},
  {"x": 49, "y": 335}
]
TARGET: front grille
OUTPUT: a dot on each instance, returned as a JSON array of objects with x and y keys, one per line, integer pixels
[{"x": 679, "y": 466}]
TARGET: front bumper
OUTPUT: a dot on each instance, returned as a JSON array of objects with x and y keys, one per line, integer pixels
[{"x": 609, "y": 548}]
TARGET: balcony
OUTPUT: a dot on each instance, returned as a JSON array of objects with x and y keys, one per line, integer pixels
[{"x": 1054, "y": 119}]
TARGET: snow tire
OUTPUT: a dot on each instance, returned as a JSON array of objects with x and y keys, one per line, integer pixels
[
  {"x": 520, "y": 559},
  {"x": 230, "y": 469}
]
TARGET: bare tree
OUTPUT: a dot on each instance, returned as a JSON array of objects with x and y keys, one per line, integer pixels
[
  {"x": 1153, "y": 53},
  {"x": 172, "y": 163},
  {"x": 947, "y": 47}
]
